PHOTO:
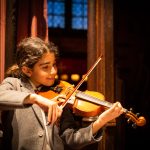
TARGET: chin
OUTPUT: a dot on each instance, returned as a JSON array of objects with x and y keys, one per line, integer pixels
[{"x": 49, "y": 83}]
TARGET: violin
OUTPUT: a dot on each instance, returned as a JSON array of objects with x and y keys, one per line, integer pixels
[{"x": 88, "y": 103}]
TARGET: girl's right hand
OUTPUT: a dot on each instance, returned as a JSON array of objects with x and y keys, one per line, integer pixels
[{"x": 49, "y": 106}]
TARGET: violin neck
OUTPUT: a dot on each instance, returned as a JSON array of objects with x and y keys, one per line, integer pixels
[{"x": 93, "y": 99}]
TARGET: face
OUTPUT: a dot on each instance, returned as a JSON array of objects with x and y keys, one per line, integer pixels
[{"x": 44, "y": 71}]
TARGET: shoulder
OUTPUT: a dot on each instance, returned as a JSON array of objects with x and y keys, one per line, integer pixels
[
  {"x": 11, "y": 80},
  {"x": 11, "y": 83}
]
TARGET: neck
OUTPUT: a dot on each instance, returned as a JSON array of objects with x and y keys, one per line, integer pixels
[{"x": 33, "y": 85}]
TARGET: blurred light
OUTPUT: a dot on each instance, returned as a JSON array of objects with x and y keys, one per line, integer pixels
[
  {"x": 85, "y": 78},
  {"x": 64, "y": 77},
  {"x": 56, "y": 77},
  {"x": 75, "y": 77}
]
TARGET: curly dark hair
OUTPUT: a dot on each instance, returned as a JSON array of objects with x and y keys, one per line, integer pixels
[{"x": 29, "y": 51}]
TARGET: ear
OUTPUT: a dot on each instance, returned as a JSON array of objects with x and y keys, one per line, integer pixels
[{"x": 27, "y": 71}]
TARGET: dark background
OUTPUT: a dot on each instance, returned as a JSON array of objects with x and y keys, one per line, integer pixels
[{"x": 132, "y": 46}]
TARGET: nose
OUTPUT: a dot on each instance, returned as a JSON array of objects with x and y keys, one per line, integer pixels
[{"x": 53, "y": 70}]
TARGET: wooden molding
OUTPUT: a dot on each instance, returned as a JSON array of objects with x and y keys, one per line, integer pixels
[{"x": 2, "y": 37}]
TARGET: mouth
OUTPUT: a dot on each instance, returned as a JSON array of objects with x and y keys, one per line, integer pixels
[{"x": 51, "y": 79}]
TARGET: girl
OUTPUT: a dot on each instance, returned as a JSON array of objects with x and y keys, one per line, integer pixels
[{"x": 27, "y": 113}]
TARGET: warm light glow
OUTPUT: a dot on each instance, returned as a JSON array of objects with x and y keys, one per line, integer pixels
[
  {"x": 75, "y": 77},
  {"x": 56, "y": 77},
  {"x": 64, "y": 77},
  {"x": 85, "y": 78}
]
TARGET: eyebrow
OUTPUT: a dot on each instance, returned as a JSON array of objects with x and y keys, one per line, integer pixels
[
  {"x": 47, "y": 63},
  {"x": 44, "y": 63}
]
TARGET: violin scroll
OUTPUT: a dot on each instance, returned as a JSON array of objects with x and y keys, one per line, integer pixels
[{"x": 138, "y": 121}]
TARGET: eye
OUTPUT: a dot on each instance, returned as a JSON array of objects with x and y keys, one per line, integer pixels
[{"x": 45, "y": 67}]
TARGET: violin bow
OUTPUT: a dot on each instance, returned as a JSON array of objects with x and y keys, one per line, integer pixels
[{"x": 81, "y": 81}]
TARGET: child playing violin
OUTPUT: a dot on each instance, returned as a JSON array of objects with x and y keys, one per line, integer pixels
[{"x": 25, "y": 113}]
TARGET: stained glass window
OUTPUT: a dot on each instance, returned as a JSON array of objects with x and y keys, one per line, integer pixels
[
  {"x": 57, "y": 17},
  {"x": 56, "y": 13},
  {"x": 79, "y": 14}
]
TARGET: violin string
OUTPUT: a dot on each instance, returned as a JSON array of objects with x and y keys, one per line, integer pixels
[{"x": 93, "y": 99}]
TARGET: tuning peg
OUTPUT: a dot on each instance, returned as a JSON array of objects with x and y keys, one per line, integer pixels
[
  {"x": 131, "y": 109},
  {"x": 129, "y": 120},
  {"x": 137, "y": 114},
  {"x": 134, "y": 125}
]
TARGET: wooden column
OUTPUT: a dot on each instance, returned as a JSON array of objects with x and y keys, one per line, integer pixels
[
  {"x": 100, "y": 41},
  {"x": 2, "y": 37}
]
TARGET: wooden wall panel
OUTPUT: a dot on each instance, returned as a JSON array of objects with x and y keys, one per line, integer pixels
[{"x": 100, "y": 41}]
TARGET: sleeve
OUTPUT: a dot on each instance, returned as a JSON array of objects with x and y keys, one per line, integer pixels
[
  {"x": 11, "y": 96},
  {"x": 76, "y": 137}
]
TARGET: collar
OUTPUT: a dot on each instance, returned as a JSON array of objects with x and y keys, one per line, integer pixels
[{"x": 34, "y": 87}]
